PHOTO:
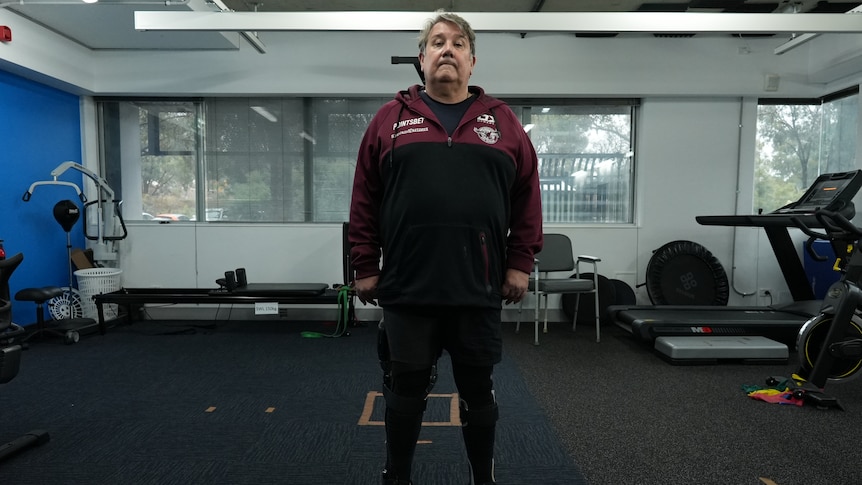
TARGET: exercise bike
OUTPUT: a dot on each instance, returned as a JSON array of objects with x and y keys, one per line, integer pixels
[{"x": 829, "y": 345}]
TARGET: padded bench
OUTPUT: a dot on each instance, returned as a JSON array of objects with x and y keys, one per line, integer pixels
[{"x": 282, "y": 293}]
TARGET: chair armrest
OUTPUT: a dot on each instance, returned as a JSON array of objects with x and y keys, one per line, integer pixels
[
  {"x": 535, "y": 277},
  {"x": 588, "y": 260}
]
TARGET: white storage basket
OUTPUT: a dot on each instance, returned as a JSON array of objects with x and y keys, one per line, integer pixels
[{"x": 95, "y": 281}]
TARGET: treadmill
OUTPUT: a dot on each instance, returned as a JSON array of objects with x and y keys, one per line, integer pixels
[{"x": 832, "y": 191}]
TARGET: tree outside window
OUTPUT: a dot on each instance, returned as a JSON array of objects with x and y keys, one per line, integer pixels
[{"x": 797, "y": 140}]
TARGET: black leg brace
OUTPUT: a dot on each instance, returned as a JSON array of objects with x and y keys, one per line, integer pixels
[
  {"x": 405, "y": 406},
  {"x": 405, "y": 389},
  {"x": 478, "y": 429},
  {"x": 479, "y": 414}
]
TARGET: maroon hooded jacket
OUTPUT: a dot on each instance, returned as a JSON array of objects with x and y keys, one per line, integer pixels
[{"x": 447, "y": 214}]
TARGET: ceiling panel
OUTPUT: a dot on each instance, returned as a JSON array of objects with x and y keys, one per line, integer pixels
[{"x": 110, "y": 26}]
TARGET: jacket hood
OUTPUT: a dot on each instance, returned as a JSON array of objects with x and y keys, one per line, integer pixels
[{"x": 411, "y": 95}]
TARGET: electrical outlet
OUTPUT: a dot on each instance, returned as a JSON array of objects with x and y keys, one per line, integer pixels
[{"x": 764, "y": 292}]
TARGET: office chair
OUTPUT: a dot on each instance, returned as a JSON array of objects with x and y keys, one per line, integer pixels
[
  {"x": 557, "y": 255},
  {"x": 10, "y": 355}
]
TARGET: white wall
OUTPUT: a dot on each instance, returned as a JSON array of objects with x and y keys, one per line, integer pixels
[
  {"x": 195, "y": 255},
  {"x": 694, "y": 150},
  {"x": 537, "y": 65},
  {"x": 46, "y": 57}
]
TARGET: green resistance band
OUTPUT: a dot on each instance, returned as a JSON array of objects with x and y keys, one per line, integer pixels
[{"x": 343, "y": 314}]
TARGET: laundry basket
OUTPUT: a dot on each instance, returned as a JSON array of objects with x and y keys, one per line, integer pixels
[{"x": 95, "y": 281}]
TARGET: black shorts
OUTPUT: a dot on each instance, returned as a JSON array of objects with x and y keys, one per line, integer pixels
[{"x": 419, "y": 335}]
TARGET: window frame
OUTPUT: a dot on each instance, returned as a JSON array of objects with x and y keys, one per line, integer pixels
[
  {"x": 311, "y": 113},
  {"x": 805, "y": 178}
]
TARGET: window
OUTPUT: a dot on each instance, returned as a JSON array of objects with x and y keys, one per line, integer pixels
[
  {"x": 254, "y": 160},
  {"x": 585, "y": 160},
  {"x": 284, "y": 159},
  {"x": 797, "y": 140},
  {"x": 150, "y": 153}
]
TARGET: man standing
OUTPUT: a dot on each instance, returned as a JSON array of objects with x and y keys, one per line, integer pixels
[{"x": 446, "y": 191}]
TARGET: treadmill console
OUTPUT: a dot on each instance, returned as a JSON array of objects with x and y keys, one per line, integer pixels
[{"x": 831, "y": 191}]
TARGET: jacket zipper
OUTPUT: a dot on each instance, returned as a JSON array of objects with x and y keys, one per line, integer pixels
[{"x": 484, "y": 246}]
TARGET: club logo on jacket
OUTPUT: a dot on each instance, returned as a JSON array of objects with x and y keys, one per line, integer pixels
[
  {"x": 486, "y": 118},
  {"x": 487, "y": 134}
]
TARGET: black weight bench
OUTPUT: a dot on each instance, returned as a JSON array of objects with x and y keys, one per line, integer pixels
[
  {"x": 283, "y": 290},
  {"x": 234, "y": 289},
  {"x": 282, "y": 293}
]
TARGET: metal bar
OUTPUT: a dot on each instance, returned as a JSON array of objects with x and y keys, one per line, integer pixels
[
  {"x": 582, "y": 22},
  {"x": 254, "y": 40},
  {"x": 796, "y": 41}
]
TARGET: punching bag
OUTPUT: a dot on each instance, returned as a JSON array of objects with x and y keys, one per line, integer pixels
[{"x": 67, "y": 214}]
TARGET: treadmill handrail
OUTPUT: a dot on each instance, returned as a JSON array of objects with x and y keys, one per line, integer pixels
[
  {"x": 843, "y": 222},
  {"x": 833, "y": 222}
]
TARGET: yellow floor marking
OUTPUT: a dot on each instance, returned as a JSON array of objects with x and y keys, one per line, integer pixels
[
  {"x": 454, "y": 411},
  {"x": 767, "y": 481},
  {"x": 424, "y": 442},
  {"x": 368, "y": 408},
  {"x": 270, "y": 410},
  {"x": 210, "y": 409}
]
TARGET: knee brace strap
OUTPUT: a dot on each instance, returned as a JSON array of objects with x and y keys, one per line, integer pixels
[
  {"x": 407, "y": 404},
  {"x": 484, "y": 417},
  {"x": 404, "y": 404}
]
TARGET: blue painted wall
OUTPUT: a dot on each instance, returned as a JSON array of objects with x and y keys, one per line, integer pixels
[{"x": 40, "y": 128}]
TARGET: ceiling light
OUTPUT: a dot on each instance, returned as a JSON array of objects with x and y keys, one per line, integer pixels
[
  {"x": 265, "y": 113},
  {"x": 305, "y": 136},
  {"x": 521, "y": 22}
]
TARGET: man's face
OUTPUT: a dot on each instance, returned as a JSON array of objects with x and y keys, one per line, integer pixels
[{"x": 447, "y": 57}]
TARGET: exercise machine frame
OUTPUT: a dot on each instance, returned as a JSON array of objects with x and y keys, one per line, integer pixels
[
  {"x": 830, "y": 191},
  {"x": 830, "y": 344}
]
